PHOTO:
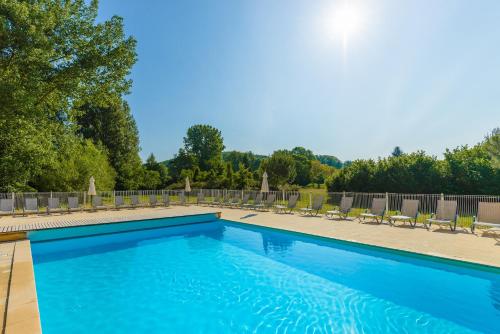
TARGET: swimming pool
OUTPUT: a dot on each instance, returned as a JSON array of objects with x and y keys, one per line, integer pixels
[{"x": 225, "y": 277}]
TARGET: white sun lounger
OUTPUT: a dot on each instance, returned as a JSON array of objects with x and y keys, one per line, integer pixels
[
  {"x": 409, "y": 213},
  {"x": 446, "y": 214},
  {"x": 292, "y": 203},
  {"x": 315, "y": 208},
  {"x": 376, "y": 212},
  {"x": 344, "y": 209},
  {"x": 488, "y": 215}
]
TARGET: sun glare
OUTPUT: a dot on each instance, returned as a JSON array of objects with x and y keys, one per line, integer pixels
[{"x": 343, "y": 22}]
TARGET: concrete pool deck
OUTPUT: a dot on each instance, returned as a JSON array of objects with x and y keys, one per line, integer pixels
[{"x": 18, "y": 303}]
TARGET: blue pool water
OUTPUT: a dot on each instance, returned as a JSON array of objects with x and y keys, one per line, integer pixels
[{"x": 224, "y": 277}]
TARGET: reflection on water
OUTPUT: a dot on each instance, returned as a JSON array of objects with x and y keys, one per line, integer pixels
[
  {"x": 495, "y": 294},
  {"x": 276, "y": 243}
]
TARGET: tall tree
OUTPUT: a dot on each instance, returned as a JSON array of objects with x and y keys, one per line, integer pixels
[
  {"x": 160, "y": 169},
  {"x": 280, "y": 167},
  {"x": 397, "y": 152},
  {"x": 111, "y": 124},
  {"x": 53, "y": 57},
  {"x": 492, "y": 146},
  {"x": 303, "y": 158},
  {"x": 206, "y": 144}
]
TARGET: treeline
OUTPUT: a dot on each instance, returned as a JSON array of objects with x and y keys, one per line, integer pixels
[
  {"x": 62, "y": 114},
  {"x": 464, "y": 170},
  {"x": 203, "y": 160}
]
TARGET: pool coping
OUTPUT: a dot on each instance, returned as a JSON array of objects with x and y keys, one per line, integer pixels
[
  {"x": 21, "y": 305},
  {"x": 21, "y": 313}
]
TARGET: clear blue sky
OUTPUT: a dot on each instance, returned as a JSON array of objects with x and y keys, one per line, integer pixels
[{"x": 421, "y": 74}]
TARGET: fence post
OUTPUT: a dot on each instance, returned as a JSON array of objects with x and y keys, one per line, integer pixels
[
  {"x": 84, "y": 199},
  {"x": 51, "y": 194},
  {"x": 442, "y": 196},
  {"x": 386, "y": 202}
]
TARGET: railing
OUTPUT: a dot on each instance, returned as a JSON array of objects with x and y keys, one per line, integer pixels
[{"x": 466, "y": 204}]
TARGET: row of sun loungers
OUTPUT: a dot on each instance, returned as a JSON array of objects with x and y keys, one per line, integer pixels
[
  {"x": 446, "y": 211},
  {"x": 30, "y": 205},
  {"x": 488, "y": 214}
]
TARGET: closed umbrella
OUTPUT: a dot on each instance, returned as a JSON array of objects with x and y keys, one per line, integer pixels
[
  {"x": 188, "y": 187},
  {"x": 265, "y": 186},
  {"x": 92, "y": 191}
]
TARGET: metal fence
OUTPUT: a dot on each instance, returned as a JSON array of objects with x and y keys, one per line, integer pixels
[{"x": 467, "y": 205}]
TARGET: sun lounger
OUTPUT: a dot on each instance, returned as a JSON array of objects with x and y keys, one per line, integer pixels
[
  {"x": 344, "y": 209},
  {"x": 225, "y": 201},
  {"x": 73, "y": 204},
  {"x": 200, "y": 199},
  {"x": 488, "y": 215},
  {"x": 7, "y": 206},
  {"x": 316, "y": 207},
  {"x": 292, "y": 203},
  {"x": 53, "y": 205},
  {"x": 256, "y": 201},
  {"x": 376, "y": 212},
  {"x": 165, "y": 200},
  {"x": 446, "y": 214},
  {"x": 30, "y": 205},
  {"x": 268, "y": 203},
  {"x": 182, "y": 199},
  {"x": 97, "y": 203},
  {"x": 216, "y": 201},
  {"x": 153, "y": 201},
  {"x": 119, "y": 202},
  {"x": 408, "y": 214},
  {"x": 234, "y": 202},
  {"x": 244, "y": 200},
  {"x": 135, "y": 201}
]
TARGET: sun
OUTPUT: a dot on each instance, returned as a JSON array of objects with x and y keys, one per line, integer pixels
[
  {"x": 346, "y": 20},
  {"x": 343, "y": 22}
]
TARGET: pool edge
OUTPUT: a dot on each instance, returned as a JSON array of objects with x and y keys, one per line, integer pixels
[{"x": 22, "y": 314}]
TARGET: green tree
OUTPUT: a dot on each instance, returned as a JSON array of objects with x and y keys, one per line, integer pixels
[
  {"x": 206, "y": 144},
  {"x": 470, "y": 171},
  {"x": 161, "y": 174},
  {"x": 181, "y": 161},
  {"x": 330, "y": 160},
  {"x": 247, "y": 159},
  {"x": 243, "y": 177},
  {"x": 303, "y": 158},
  {"x": 70, "y": 170},
  {"x": 397, "y": 152},
  {"x": 229, "y": 177},
  {"x": 53, "y": 58},
  {"x": 358, "y": 176},
  {"x": 320, "y": 172},
  {"x": 112, "y": 125},
  {"x": 308, "y": 154},
  {"x": 280, "y": 167},
  {"x": 492, "y": 146}
]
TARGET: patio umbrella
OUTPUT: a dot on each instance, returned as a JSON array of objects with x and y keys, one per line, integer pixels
[
  {"x": 92, "y": 191},
  {"x": 265, "y": 186},
  {"x": 188, "y": 187}
]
